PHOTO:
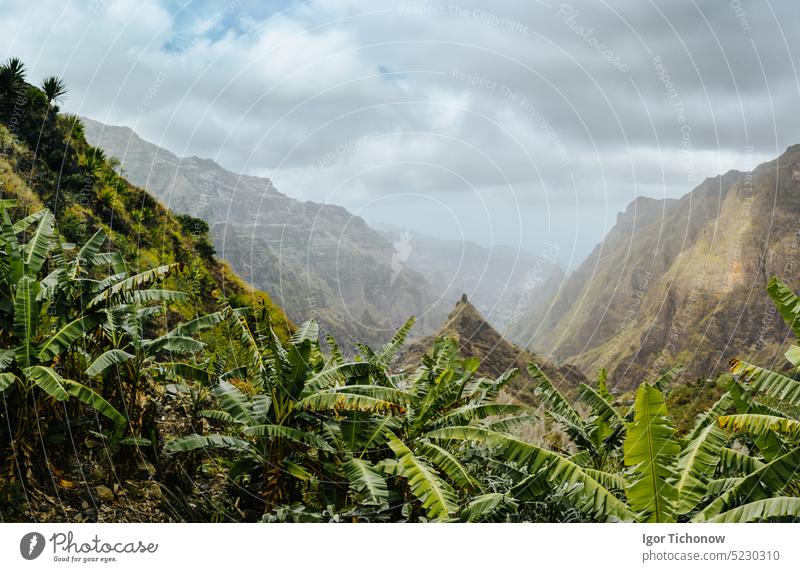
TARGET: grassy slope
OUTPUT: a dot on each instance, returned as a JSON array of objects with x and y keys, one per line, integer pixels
[{"x": 45, "y": 162}]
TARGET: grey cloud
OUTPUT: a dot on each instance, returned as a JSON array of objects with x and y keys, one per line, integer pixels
[{"x": 549, "y": 95}]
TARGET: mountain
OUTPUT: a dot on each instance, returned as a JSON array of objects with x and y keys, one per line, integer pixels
[
  {"x": 477, "y": 338},
  {"x": 316, "y": 260},
  {"x": 499, "y": 280},
  {"x": 45, "y": 161},
  {"x": 681, "y": 282}
]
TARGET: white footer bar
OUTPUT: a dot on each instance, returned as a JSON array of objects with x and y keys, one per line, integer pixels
[{"x": 399, "y": 547}]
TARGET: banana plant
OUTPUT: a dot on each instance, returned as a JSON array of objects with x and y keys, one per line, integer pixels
[
  {"x": 731, "y": 467},
  {"x": 650, "y": 452},
  {"x": 37, "y": 341},
  {"x": 388, "y": 454},
  {"x": 351, "y": 434},
  {"x": 544, "y": 473},
  {"x": 273, "y": 404},
  {"x": 445, "y": 392},
  {"x": 60, "y": 306},
  {"x": 598, "y": 436},
  {"x": 629, "y": 466},
  {"x": 700, "y": 478},
  {"x": 134, "y": 358},
  {"x": 761, "y": 481}
]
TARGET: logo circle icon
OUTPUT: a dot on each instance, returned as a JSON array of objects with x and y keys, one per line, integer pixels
[{"x": 32, "y": 545}]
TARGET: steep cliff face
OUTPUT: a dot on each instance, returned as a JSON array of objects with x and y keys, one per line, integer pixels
[
  {"x": 477, "y": 338},
  {"x": 316, "y": 260},
  {"x": 615, "y": 264},
  {"x": 681, "y": 281}
]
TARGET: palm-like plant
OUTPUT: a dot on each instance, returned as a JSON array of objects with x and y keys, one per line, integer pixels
[
  {"x": 12, "y": 78},
  {"x": 15, "y": 67},
  {"x": 54, "y": 88},
  {"x": 94, "y": 160}
]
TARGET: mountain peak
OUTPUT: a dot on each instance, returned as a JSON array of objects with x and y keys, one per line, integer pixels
[
  {"x": 476, "y": 337},
  {"x": 466, "y": 323},
  {"x": 792, "y": 149},
  {"x": 640, "y": 211}
]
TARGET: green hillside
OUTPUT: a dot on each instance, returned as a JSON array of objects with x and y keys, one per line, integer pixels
[{"x": 45, "y": 162}]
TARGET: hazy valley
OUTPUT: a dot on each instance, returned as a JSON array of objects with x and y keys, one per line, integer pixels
[{"x": 662, "y": 288}]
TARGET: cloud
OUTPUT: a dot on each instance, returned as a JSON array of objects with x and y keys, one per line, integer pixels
[{"x": 543, "y": 109}]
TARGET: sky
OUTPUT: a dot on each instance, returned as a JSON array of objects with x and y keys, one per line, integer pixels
[{"x": 520, "y": 123}]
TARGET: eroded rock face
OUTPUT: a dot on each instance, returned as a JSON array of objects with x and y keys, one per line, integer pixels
[
  {"x": 682, "y": 281},
  {"x": 316, "y": 260}
]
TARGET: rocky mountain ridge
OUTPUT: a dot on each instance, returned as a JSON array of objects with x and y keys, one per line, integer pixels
[
  {"x": 317, "y": 260},
  {"x": 681, "y": 281}
]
